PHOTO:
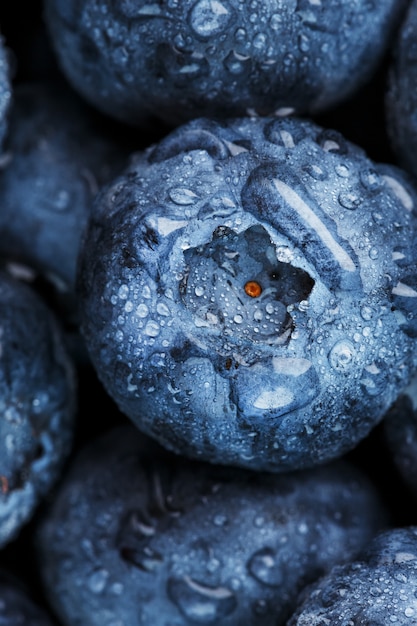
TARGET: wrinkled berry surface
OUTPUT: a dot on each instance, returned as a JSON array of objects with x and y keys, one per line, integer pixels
[
  {"x": 136, "y": 536},
  {"x": 37, "y": 404},
  {"x": 247, "y": 292},
  {"x": 139, "y": 60},
  {"x": 376, "y": 590}
]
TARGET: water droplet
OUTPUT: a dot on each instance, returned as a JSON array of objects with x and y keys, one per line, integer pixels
[
  {"x": 220, "y": 520},
  {"x": 182, "y": 196},
  {"x": 316, "y": 172},
  {"x": 259, "y": 41},
  {"x": 142, "y": 310},
  {"x": 123, "y": 292},
  {"x": 199, "y": 290},
  {"x": 236, "y": 63},
  {"x": 152, "y": 329},
  {"x": 373, "y": 253},
  {"x": 98, "y": 580},
  {"x": 349, "y": 200},
  {"x": 342, "y": 170},
  {"x": 238, "y": 318},
  {"x": 201, "y": 603},
  {"x": 62, "y": 200},
  {"x": 265, "y": 569},
  {"x": 209, "y": 17},
  {"x": 162, "y": 309},
  {"x": 342, "y": 355}
]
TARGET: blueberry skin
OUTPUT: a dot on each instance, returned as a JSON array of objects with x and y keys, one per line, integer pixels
[
  {"x": 138, "y": 536},
  {"x": 59, "y": 161},
  {"x": 139, "y": 60},
  {"x": 377, "y": 590},
  {"x": 401, "y": 101},
  {"x": 5, "y": 91},
  {"x": 37, "y": 404},
  {"x": 289, "y": 379},
  {"x": 16, "y": 605},
  {"x": 400, "y": 431}
]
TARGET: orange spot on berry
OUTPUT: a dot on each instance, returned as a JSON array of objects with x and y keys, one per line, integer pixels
[
  {"x": 4, "y": 485},
  {"x": 253, "y": 289}
]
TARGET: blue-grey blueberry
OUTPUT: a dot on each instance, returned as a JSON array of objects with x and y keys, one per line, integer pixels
[
  {"x": 378, "y": 589},
  {"x": 136, "y": 536},
  {"x": 139, "y": 61},
  {"x": 59, "y": 158},
  {"x": 37, "y": 404},
  {"x": 248, "y": 291}
]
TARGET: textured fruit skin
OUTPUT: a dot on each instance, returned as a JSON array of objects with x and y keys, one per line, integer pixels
[
  {"x": 139, "y": 60},
  {"x": 17, "y": 607},
  {"x": 37, "y": 404},
  {"x": 5, "y": 91},
  {"x": 59, "y": 160},
  {"x": 400, "y": 430},
  {"x": 288, "y": 380},
  {"x": 138, "y": 535},
  {"x": 377, "y": 589},
  {"x": 401, "y": 102}
]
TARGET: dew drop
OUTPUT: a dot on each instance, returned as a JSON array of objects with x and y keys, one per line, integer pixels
[
  {"x": 342, "y": 354},
  {"x": 209, "y": 17},
  {"x": 98, "y": 580},
  {"x": 142, "y": 310},
  {"x": 162, "y": 309},
  {"x": 182, "y": 196},
  {"x": 152, "y": 329},
  {"x": 264, "y": 568},
  {"x": 349, "y": 200},
  {"x": 201, "y": 603},
  {"x": 123, "y": 292}
]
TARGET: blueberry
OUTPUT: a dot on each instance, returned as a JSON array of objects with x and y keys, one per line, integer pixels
[
  {"x": 247, "y": 292},
  {"x": 138, "y": 536},
  {"x": 5, "y": 90},
  {"x": 139, "y": 60},
  {"x": 59, "y": 160},
  {"x": 401, "y": 100},
  {"x": 400, "y": 430},
  {"x": 37, "y": 404},
  {"x": 17, "y": 606},
  {"x": 379, "y": 589}
]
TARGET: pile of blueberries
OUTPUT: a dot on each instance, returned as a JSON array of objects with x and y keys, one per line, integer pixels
[{"x": 208, "y": 313}]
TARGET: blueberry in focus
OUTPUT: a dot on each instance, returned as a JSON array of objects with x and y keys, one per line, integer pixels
[
  {"x": 378, "y": 589},
  {"x": 37, "y": 404},
  {"x": 139, "y": 61},
  {"x": 138, "y": 536},
  {"x": 5, "y": 90},
  {"x": 247, "y": 292},
  {"x": 401, "y": 101},
  {"x": 16, "y": 605},
  {"x": 59, "y": 159}
]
